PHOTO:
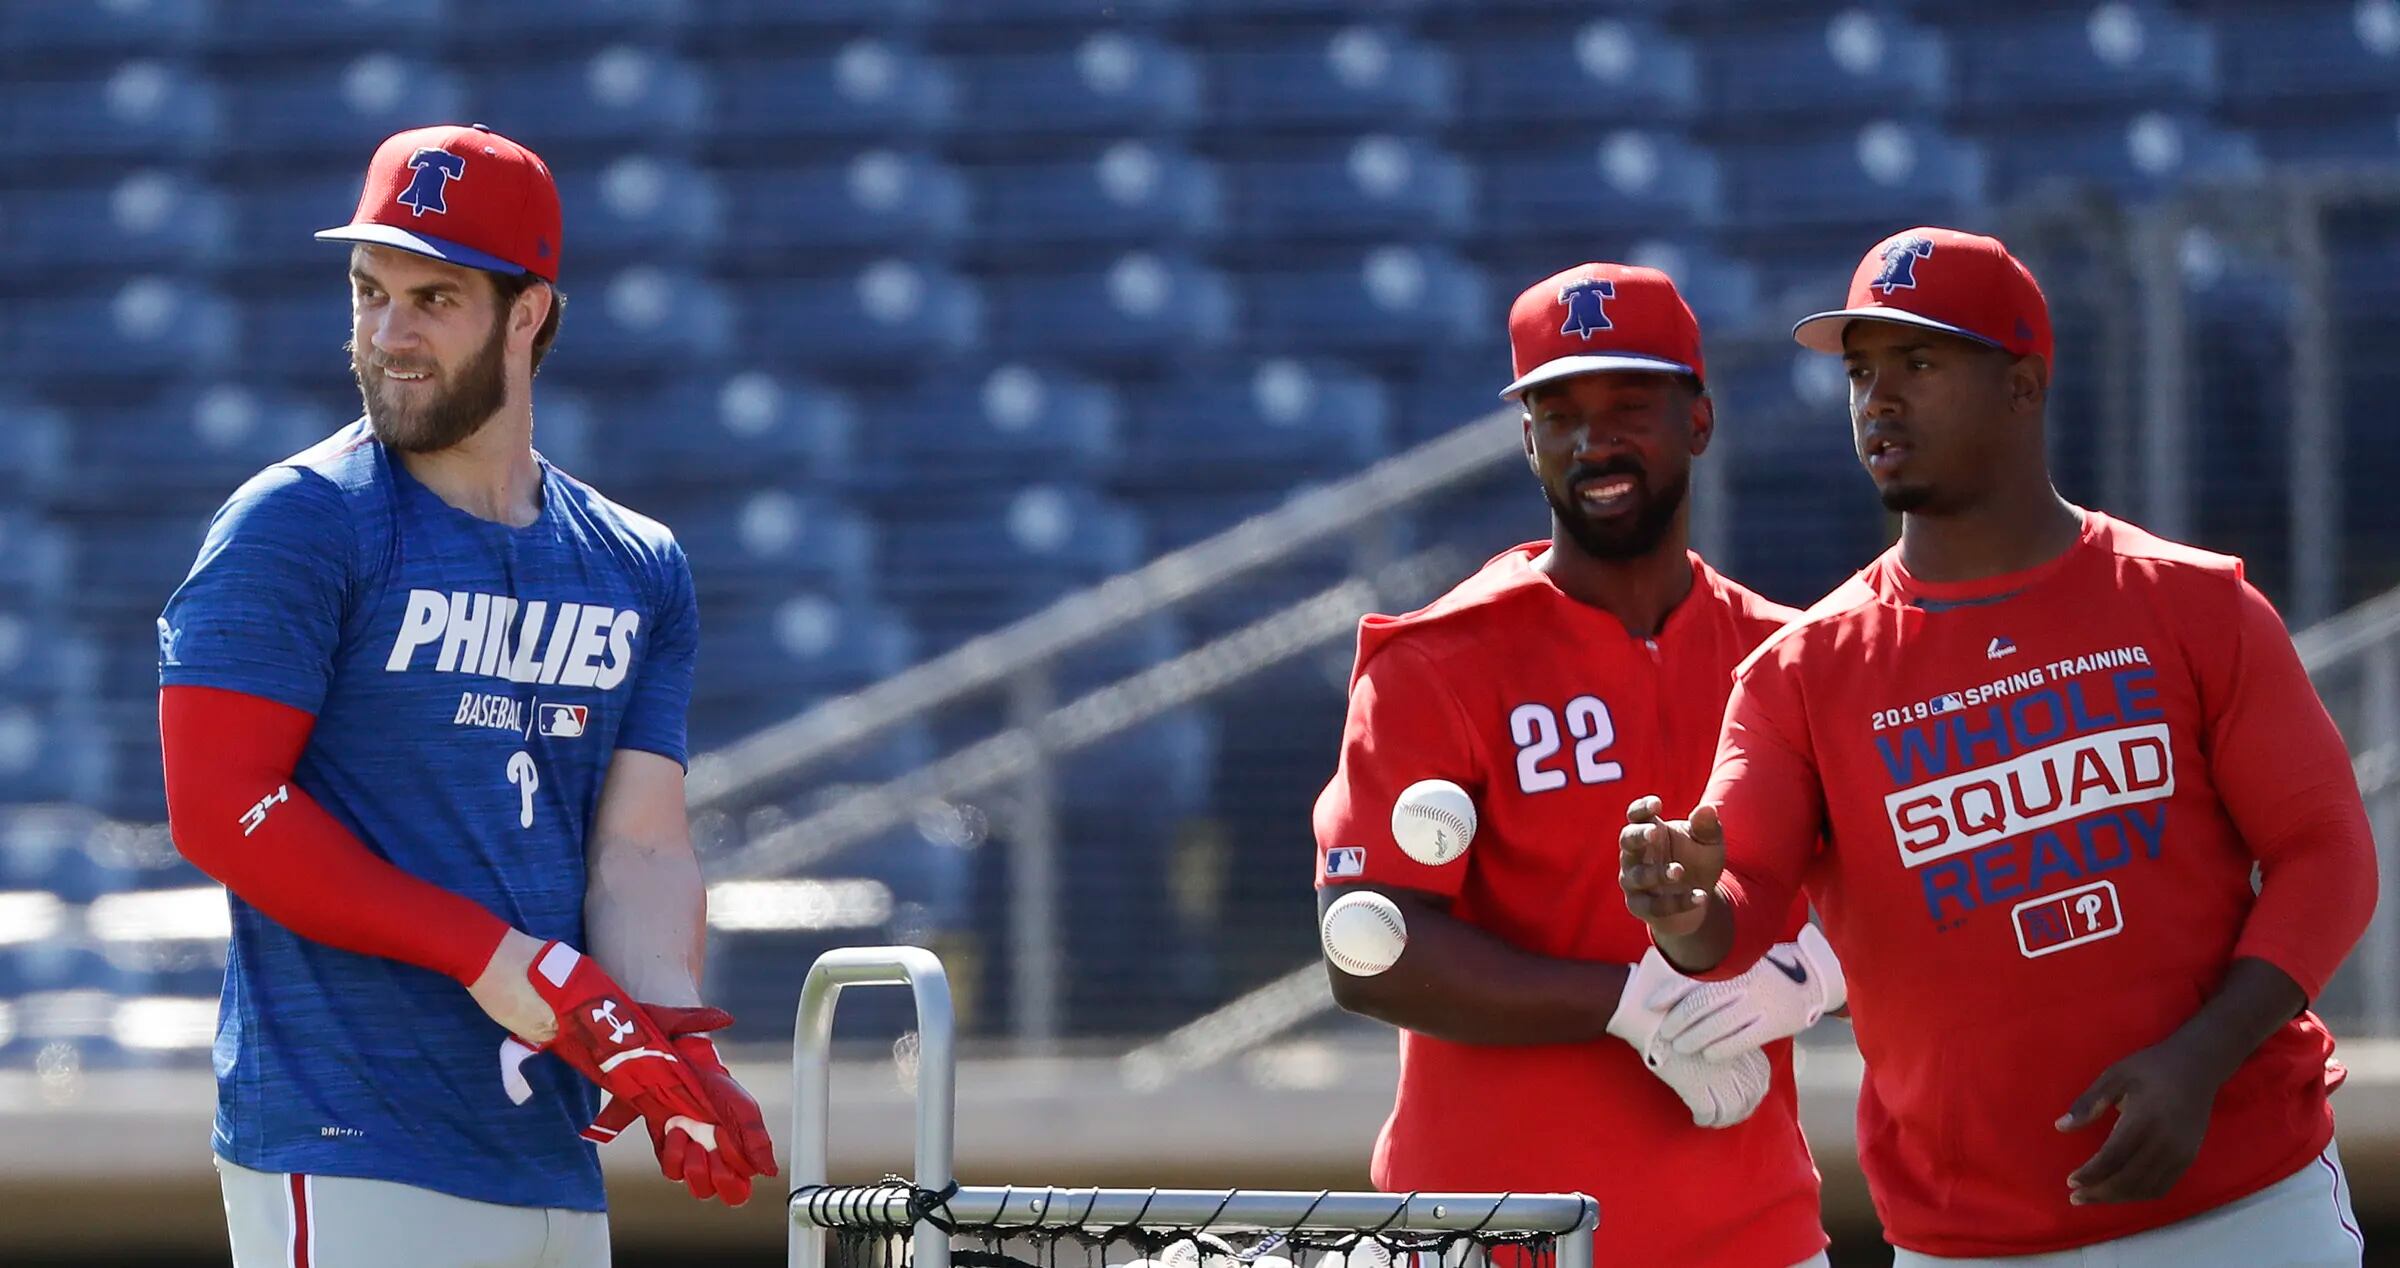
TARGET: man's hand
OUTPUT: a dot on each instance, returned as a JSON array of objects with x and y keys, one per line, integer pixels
[
  {"x": 611, "y": 1040},
  {"x": 1785, "y": 993},
  {"x": 1719, "y": 1093},
  {"x": 2162, "y": 1095},
  {"x": 507, "y": 997},
  {"x": 1652, "y": 986},
  {"x": 1669, "y": 868},
  {"x": 716, "y": 1167}
]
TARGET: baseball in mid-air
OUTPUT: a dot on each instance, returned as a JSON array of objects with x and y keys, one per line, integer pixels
[
  {"x": 1433, "y": 821},
  {"x": 1364, "y": 933}
]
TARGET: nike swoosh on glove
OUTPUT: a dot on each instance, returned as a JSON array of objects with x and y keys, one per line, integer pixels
[
  {"x": 721, "y": 1163},
  {"x": 1719, "y": 1093},
  {"x": 611, "y": 1040},
  {"x": 1786, "y": 992}
]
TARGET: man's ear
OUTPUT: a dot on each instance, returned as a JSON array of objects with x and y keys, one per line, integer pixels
[
  {"x": 1525, "y": 418},
  {"x": 2028, "y": 384},
  {"x": 1704, "y": 422}
]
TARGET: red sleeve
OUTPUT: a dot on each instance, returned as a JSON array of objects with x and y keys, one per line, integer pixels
[
  {"x": 2284, "y": 774},
  {"x": 235, "y": 813},
  {"x": 1769, "y": 797},
  {"x": 1404, "y": 725}
]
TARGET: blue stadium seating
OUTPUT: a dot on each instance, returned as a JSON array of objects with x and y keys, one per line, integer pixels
[
  {"x": 797, "y": 644},
  {"x": 154, "y": 218},
  {"x": 2127, "y": 55},
  {"x": 1376, "y": 186},
  {"x": 765, "y": 542},
  {"x": 283, "y": 25},
  {"x": 1017, "y": 424},
  {"x": 876, "y": 200},
  {"x": 2297, "y": 60},
  {"x": 148, "y": 26},
  {"x": 148, "y": 325},
  {"x": 589, "y": 19},
  {"x": 2151, "y": 152},
  {"x": 892, "y": 311},
  {"x": 1134, "y": 191},
  {"x": 1263, "y": 427},
  {"x": 1111, "y": 82},
  {"x": 647, "y": 319},
  {"x": 191, "y": 444},
  {"x": 1355, "y": 78},
  {"x": 141, "y": 109},
  {"x": 33, "y": 449},
  {"x": 1629, "y": 181},
  {"x": 685, "y": 435},
  {"x": 1861, "y": 62},
  {"x": 871, "y": 89},
  {"x": 1606, "y": 69},
  {"x": 620, "y": 93},
  {"x": 1866, "y": 179},
  {"x": 1390, "y": 299},
  {"x": 329, "y": 109},
  {"x": 1154, "y": 306},
  {"x": 655, "y": 207}
]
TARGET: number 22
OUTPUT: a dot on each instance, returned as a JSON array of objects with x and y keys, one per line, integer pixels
[{"x": 1534, "y": 727}]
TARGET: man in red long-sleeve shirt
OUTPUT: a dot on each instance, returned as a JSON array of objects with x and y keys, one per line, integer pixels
[{"x": 2025, "y": 765}]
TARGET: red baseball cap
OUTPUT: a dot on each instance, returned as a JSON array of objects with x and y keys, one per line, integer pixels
[
  {"x": 467, "y": 195},
  {"x": 1599, "y": 317},
  {"x": 1941, "y": 279}
]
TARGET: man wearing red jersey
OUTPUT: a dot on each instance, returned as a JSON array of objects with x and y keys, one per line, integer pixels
[
  {"x": 1546, "y": 684},
  {"x": 2025, "y": 764}
]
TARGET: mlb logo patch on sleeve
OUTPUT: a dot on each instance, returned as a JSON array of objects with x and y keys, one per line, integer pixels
[
  {"x": 1346, "y": 860},
  {"x": 565, "y": 721}
]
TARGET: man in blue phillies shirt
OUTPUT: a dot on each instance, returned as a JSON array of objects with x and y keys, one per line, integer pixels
[{"x": 480, "y": 669}]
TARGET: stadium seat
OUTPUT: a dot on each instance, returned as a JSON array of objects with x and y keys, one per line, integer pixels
[
  {"x": 876, "y": 200},
  {"x": 1879, "y": 175},
  {"x": 1133, "y": 192},
  {"x": 740, "y": 22},
  {"x": 2292, "y": 62},
  {"x": 640, "y": 206},
  {"x": 1138, "y": 305},
  {"x": 797, "y": 642},
  {"x": 149, "y": 325},
  {"x": 138, "y": 110},
  {"x": 590, "y": 19},
  {"x": 762, "y": 543},
  {"x": 1629, "y": 181},
  {"x": 290, "y": 24},
  {"x": 2127, "y": 54},
  {"x": 1078, "y": 13},
  {"x": 273, "y": 220},
  {"x": 34, "y": 560},
  {"x": 1374, "y": 186},
  {"x": 621, "y": 93},
  {"x": 644, "y": 319},
  {"x": 33, "y": 449},
  {"x": 1354, "y": 78},
  {"x": 892, "y": 311},
  {"x": 190, "y": 445},
  {"x": 871, "y": 89},
  {"x": 162, "y": 27},
  {"x": 1111, "y": 82},
  {"x": 1017, "y": 423},
  {"x": 2150, "y": 152},
  {"x": 1858, "y": 62},
  {"x": 338, "y": 109},
  {"x": 964, "y": 564},
  {"x": 687, "y": 436},
  {"x": 148, "y": 219},
  {"x": 1392, "y": 299},
  {"x": 1605, "y": 69},
  {"x": 1262, "y": 427}
]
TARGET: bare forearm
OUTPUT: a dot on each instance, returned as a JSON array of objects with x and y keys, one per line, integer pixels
[
  {"x": 2254, "y": 1002},
  {"x": 1703, "y": 948},
  {"x": 645, "y": 916},
  {"x": 1460, "y": 983}
]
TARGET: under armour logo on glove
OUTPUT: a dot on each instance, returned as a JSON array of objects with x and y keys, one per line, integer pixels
[{"x": 617, "y": 1030}]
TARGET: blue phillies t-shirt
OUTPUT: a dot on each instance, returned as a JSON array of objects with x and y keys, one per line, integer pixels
[{"x": 470, "y": 682}]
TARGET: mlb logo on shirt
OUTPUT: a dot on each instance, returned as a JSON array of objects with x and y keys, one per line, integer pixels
[
  {"x": 1949, "y": 702},
  {"x": 565, "y": 720},
  {"x": 1346, "y": 860}
]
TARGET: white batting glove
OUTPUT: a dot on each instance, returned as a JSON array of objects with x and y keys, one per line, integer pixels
[
  {"x": 1651, "y": 988},
  {"x": 1719, "y": 1093},
  {"x": 1792, "y": 986}
]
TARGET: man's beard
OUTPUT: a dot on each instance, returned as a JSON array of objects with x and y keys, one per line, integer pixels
[
  {"x": 1905, "y": 499},
  {"x": 481, "y": 388},
  {"x": 1620, "y": 537}
]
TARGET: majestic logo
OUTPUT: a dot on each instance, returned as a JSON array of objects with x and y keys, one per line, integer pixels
[
  {"x": 607, "y": 1012},
  {"x": 167, "y": 634},
  {"x": 426, "y": 191},
  {"x": 1587, "y": 306},
  {"x": 1900, "y": 265},
  {"x": 1999, "y": 647}
]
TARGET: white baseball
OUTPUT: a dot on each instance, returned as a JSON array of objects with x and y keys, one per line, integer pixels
[
  {"x": 1364, "y": 934},
  {"x": 1434, "y": 821}
]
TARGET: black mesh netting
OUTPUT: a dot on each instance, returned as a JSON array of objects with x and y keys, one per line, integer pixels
[{"x": 1047, "y": 1228}]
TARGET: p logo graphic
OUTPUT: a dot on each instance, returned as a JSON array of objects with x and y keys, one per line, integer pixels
[
  {"x": 435, "y": 169},
  {"x": 1587, "y": 306}
]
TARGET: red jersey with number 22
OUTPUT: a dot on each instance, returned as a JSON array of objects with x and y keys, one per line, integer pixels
[
  {"x": 2042, "y": 796},
  {"x": 1553, "y": 717}
]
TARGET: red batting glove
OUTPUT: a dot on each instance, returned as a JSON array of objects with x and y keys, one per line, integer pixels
[
  {"x": 614, "y": 1042},
  {"x": 740, "y": 1148}
]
